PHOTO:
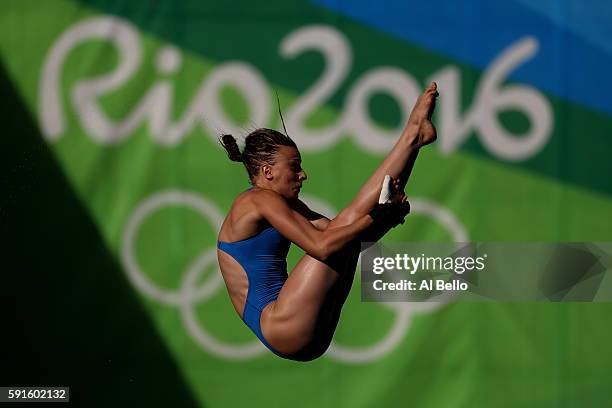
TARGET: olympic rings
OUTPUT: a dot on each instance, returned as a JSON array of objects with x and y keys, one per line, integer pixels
[{"x": 188, "y": 295}]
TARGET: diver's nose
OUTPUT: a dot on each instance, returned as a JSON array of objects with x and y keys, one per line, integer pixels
[{"x": 303, "y": 175}]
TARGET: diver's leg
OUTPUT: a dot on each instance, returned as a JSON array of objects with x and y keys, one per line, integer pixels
[
  {"x": 302, "y": 321},
  {"x": 291, "y": 322},
  {"x": 419, "y": 131},
  {"x": 304, "y": 317}
]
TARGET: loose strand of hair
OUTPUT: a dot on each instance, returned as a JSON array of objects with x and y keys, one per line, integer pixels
[{"x": 280, "y": 113}]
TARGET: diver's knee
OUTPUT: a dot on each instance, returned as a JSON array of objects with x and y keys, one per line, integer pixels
[{"x": 291, "y": 341}]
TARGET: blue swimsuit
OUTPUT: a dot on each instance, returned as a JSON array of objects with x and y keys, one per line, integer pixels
[{"x": 263, "y": 257}]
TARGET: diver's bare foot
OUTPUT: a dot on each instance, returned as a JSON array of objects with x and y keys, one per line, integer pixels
[
  {"x": 427, "y": 133},
  {"x": 419, "y": 128}
]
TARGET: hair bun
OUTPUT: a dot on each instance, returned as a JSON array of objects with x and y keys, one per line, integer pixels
[{"x": 231, "y": 146}]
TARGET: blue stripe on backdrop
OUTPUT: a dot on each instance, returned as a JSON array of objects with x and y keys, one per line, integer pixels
[
  {"x": 591, "y": 19},
  {"x": 571, "y": 63}
]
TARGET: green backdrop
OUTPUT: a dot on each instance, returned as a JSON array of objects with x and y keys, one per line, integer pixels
[{"x": 114, "y": 186}]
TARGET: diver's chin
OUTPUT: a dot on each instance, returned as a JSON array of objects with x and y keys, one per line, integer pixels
[{"x": 294, "y": 195}]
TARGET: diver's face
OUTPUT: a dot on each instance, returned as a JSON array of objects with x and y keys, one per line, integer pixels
[{"x": 288, "y": 173}]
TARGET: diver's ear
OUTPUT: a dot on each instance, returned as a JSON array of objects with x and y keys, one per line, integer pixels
[{"x": 266, "y": 172}]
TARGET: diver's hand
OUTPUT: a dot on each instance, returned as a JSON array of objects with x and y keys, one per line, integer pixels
[{"x": 392, "y": 213}]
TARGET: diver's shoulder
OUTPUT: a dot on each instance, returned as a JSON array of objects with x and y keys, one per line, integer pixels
[
  {"x": 259, "y": 195},
  {"x": 253, "y": 197}
]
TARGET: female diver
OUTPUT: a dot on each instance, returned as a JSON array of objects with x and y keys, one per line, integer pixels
[{"x": 295, "y": 315}]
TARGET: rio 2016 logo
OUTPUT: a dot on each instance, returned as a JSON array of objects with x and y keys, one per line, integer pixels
[{"x": 354, "y": 121}]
